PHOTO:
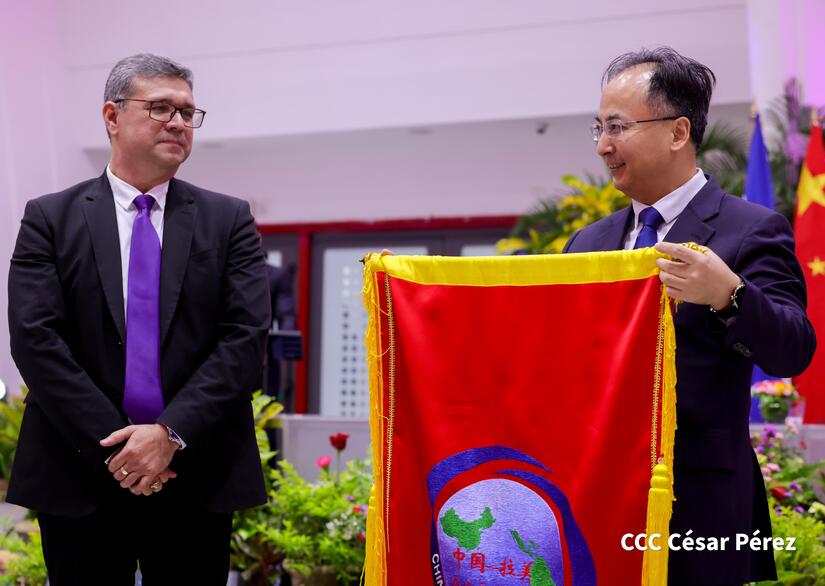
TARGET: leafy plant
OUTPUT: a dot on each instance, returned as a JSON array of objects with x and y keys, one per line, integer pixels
[
  {"x": 723, "y": 155},
  {"x": 792, "y": 120},
  {"x": 11, "y": 416},
  {"x": 306, "y": 527},
  {"x": 21, "y": 557},
  {"x": 805, "y": 566},
  {"x": 266, "y": 413},
  {"x": 791, "y": 481},
  {"x": 548, "y": 228},
  {"x": 323, "y": 523},
  {"x": 251, "y": 553},
  {"x": 795, "y": 494}
]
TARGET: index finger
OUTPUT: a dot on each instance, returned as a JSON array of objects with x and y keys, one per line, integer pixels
[{"x": 679, "y": 251}]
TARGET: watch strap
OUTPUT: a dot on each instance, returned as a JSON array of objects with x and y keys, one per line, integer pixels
[{"x": 735, "y": 304}]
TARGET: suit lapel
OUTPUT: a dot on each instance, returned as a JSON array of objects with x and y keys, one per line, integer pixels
[
  {"x": 691, "y": 225},
  {"x": 614, "y": 230},
  {"x": 99, "y": 213},
  {"x": 178, "y": 224}
]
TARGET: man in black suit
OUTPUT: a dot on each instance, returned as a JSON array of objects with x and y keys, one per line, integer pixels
[
  {"x": 744, "y": 299},
  {"x": 138, "y": 312}
]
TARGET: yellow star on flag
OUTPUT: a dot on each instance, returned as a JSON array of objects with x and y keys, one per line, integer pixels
[
  {"x": 817, "y": 266},
  {"x": 811, "y": 189}
]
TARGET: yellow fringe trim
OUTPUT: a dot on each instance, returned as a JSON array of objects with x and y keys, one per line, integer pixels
[
  {"x": 375, "y": 566},
  {"x": 660, "y": 497}
]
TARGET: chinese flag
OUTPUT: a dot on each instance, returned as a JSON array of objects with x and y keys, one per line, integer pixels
[
  {"x": 809, "y": 229},
  {"x": 521, "y": 410}
]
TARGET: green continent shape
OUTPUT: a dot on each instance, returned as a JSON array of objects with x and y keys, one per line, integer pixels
[
  {"x": 540, "y": 573},
  {"x": 520, "y": 543},
  {"x": 468, "y": 533}
]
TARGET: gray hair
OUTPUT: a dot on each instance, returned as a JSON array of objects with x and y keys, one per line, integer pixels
[{"x": 142, "y": 65}]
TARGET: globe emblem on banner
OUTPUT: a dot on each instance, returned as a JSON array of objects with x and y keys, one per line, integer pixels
[
  {"x": 505, "y": 524},
  {"x": 501, "y": 530}
]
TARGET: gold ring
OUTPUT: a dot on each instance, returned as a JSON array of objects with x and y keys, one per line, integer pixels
[
  {"x": 124, "y": 472},
  {"x": 155, "y": 486}
]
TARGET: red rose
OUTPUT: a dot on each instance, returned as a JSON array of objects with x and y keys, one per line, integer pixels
[
  {"x": 780, "y": 492},
  {"x": 339, "y": 441}
]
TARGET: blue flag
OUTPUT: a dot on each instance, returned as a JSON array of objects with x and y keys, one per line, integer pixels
[
  {"x": 758, "y": 189},
  {"x": 758, "y": 183}
]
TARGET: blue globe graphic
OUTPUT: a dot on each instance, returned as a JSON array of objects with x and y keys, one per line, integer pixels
[
  {"x": 506, "y": 525},
  {"x": 479, "y": 528}
]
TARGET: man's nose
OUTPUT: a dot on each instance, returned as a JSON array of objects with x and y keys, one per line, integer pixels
[
  {"x": 176, "y": 121},
  {"x": 604, "y": 145}
]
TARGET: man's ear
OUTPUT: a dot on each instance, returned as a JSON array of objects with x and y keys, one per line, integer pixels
[
  {"x": 110, "y": 114},
  {"x": 681, "y": 133}
]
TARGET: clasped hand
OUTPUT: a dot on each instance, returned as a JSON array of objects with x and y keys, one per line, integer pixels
[
  {"x": 145, "y": 458},
  {"x": 696, "y": 277}
]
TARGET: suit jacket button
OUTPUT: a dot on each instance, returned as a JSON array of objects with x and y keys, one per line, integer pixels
[{"x": 742, "y": 349}]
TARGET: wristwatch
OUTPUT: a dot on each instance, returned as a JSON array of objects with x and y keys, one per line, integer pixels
[{"x": 735, "y": 304}]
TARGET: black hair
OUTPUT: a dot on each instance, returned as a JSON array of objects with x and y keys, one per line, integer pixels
[{"x": 679, "y": 86}]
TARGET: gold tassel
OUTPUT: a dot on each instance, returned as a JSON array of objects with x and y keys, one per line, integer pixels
[
  {"x": 375, "y": 565},
  {"x": 659, "y": 506},
  {"x": 660, "y": 497}
]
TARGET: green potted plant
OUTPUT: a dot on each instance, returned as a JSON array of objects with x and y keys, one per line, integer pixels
[
  {"x": 252, "y": 555},
  {"x": 312, "y": 532},
  {"x": 776, "y": 397},
  {"x": 320, "y": 527}
]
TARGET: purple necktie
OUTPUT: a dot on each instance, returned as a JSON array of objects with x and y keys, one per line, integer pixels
[
  {"x": 651, "y": 219},
  {"x": 142, "y": 395}
]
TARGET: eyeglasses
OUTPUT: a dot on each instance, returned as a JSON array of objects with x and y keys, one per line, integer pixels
[
  {"x": 164, "y": 112},
  {"x": 615, "y": 128}
]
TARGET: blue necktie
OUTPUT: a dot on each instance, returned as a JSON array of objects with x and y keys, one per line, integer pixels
[
  {"x": 142, "y": 394},
  {"x": 651, "y": 220}
]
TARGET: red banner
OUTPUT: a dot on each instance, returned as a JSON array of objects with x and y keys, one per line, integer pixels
[{"x": 517, "y": 423}]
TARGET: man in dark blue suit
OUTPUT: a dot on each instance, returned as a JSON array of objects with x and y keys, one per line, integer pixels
[{"x": 743, "y": 299}]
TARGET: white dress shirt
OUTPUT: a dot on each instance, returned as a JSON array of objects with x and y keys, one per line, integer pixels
[
  {"x": 126, "y": 212},
  {"x": 670, "y": 206}
]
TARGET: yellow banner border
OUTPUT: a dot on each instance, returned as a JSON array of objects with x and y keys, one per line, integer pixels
[{"x": 527, "y": 270}]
